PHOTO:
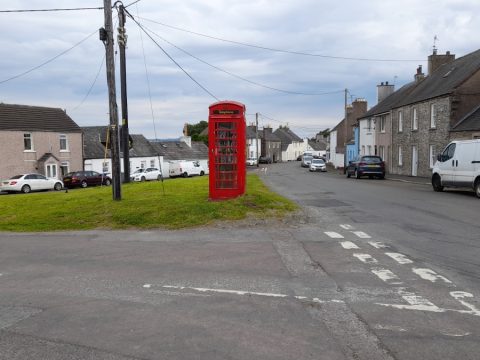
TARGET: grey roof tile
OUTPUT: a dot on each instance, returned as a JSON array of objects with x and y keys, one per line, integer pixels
[
  {"x": 35, "y": 118},
  {"x": 470, "y": 122}
]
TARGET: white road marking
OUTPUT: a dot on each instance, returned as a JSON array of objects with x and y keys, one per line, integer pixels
[
  {"x": 346, "y": 226},
  {"x": 387, "y": 276},
  {"x": 400, "y": 258},
  {"x": 459, "y": 295},
  {"x": 456, "y": 335},
  {"x": 349, "y": 245},
  {"x": 237, "y": 292},
  {"x": 362, "y": 235},
  {"x": 377, "y": 244},
  {"x": 389, "y": 327},
  {"x": 430, "y": 275},
  {"x": 415, "y": 302},
  {"x": 334, "y": 235},
  {"x": 366, "y": 258}
]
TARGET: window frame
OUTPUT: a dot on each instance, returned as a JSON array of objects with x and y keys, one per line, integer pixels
[
  {"x": 30, "y": 139},
  {"x": 414, "y": 119},
  {"x": 63, "y": 137},
  {"x": 433, "y": 116},
  {"x": 400, "y": 156},
  {"x": 400, "y": 121}
]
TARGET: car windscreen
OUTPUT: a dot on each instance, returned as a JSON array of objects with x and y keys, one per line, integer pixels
[
  {"x": 318, "y": 162},
  {"x": 307, "y": 158},
  {"x": 371, "y": 159}
]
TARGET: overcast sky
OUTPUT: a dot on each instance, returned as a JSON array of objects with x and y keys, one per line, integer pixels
[{"x": 373, "y": 29}]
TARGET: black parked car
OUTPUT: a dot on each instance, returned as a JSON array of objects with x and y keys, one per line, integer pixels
[
  {"x": 264, "y": 160},
  {"x": 366, "y": 165},
  {"x": 85, "y": 178}
]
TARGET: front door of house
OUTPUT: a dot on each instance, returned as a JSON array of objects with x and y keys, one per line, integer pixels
[
  {"x": 414, "y": 160},
  {"x": 51, "y": 170}
]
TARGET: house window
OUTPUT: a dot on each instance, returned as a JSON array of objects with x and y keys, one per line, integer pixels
[
  {"x": 382, "y": 123},
  {"x": 369, "y": 124},
  {"x": 64, "y": 166},
  {"x": 363, "y": 149},
  {"x": 152, "y": 163},
  {"x": 400, "y": 156},
  {"x": 369, "y": 149},
  {"x": 105, "y": 167},
  {"x": 400, "y": 121},
  {"x": 27, "y": 142},
  {"x": 432, "y": 155},
  {"x": 433, "y": 116},
  {"x": 381, "y": 152},
  {"x": 143, "y": 164},
  {"x": 63, "y": 142},
  {"x": 414, "y": 119}
]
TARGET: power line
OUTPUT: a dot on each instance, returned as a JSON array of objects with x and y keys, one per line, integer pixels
[
  {"x": 279, "y": 50},
  {"x": 240, "y": 77},
  {"x": 171, "y": 58},
  {"x": 50, "y": 10},
  {"x": 49, "y": 60},
  {"x": 91, "y": 86}
]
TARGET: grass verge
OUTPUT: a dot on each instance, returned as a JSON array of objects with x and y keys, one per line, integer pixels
[{"x": 175, "y": 204}]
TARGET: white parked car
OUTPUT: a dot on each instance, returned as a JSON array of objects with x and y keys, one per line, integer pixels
[
  {"x": 458, "y": 166},
  {"x": 30, "y": 182},
  {"x": 186, "y": 169},
  {"x": 318, "y": 165},
  {"x": 146, "y": 174},
  {"x": 251, "y": 161}
]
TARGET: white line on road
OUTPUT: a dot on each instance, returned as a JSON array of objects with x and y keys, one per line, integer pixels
[
  {"x": 378, "y": 245},
  {"x": 387, "y": 276},
  {"x": 362, "y": 235},
  {"x": 430, "y": 275},
  {"x": 459, "y": 295},
  {"x": 366, "y": 258},
  {"x": 349, "y": 245},
  {"x": 400, "y": 258},
  {"x": 346, "y": 226},
  {"x": 334, "y": 235},
  {"x": 241, "y": 292}
]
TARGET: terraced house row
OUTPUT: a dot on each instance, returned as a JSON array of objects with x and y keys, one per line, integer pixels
[{"x": 410, "y": 126}]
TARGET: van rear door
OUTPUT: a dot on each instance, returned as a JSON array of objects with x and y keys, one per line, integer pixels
[{"x": 464, "y": 164}]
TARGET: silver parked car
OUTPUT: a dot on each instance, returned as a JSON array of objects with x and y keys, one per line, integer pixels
[
  {"x": 26, "y": 183},
  {"x": 318, "y": 165}
]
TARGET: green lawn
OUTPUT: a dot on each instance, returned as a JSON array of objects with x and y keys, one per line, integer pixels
[{"x": 178, "y": 203}]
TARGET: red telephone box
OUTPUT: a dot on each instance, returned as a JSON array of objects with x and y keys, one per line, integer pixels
[{"x": 227, "y": 149}]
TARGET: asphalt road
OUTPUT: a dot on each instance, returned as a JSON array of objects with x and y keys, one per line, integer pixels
[{"x": 368, "y": 269}]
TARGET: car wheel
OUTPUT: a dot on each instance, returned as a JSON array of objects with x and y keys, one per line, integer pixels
[
  {"x": 202, "y": 173},
  {"x": 26, "y": 189},
  {"x": 83, "y": 184},
  {"x": 348, "y": 174},
  {"x": 437, "y": 183},
  {"x": 476, "y": 187},
  {"x": 370, "y": 176},
  {"x": 382, "y": 177},
  {"x": 57, "y": 186},
  {"x": 185, "y": 174},
  {"x": 142, "y": 179},
  {"x": 159, "y": 177},
  {"x": 108, "y": 182},
  {"x": 357, "y": 174}
]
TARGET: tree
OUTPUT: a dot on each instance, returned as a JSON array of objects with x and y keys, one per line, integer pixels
[{"x": 195, "y": 130}]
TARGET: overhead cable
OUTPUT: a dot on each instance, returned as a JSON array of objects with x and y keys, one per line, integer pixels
[
  {"x": 50, "y": 10},
  {"x": 49, "y": 60},
  {"x": 171, "y": 58},
  {"x": 279, "y": 50},
  {"x": 91, "y": 86},
  {"x": 238, "y": 76}
]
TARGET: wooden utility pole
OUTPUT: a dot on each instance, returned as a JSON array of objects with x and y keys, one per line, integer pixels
[
  {"x": 106, "y": 35},
  {"x": 256, "y": 137},
  {"x": 122, "y": 42}
]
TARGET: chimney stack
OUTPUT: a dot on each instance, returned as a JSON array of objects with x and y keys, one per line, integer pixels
[
  {"x": 419, "y": 76},
  {"x": 435, "y": 61},
  {"x": 384, "y": 90}
]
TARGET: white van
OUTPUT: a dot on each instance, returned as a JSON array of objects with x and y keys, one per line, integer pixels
[
  {"x": 186, "y": 169},
  {"x": 458, "y": 166}
]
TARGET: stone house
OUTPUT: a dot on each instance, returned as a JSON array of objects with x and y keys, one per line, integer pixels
[
  {"x": 271, "y": 145},
  {"x": 468, "y": 127},
  {"x": 292, "y": 145},
  {"x": 424, "y": 120},
  {"x": 38, "y": 139}
]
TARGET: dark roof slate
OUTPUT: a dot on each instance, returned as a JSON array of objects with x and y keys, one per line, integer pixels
[
  {"x": 470, "y": 122},
  {"x": 35, "y": 118},
  {"x": 179, "y": 150},
  {"x": 318, "y": 145},
  {"x": 287, "y": 137},
  {"x": 95, "y": 136},
  {"x": 444, "y": 80},
  {"x": 390, "y": 101},
  {"x": 269, "y": 136}
]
